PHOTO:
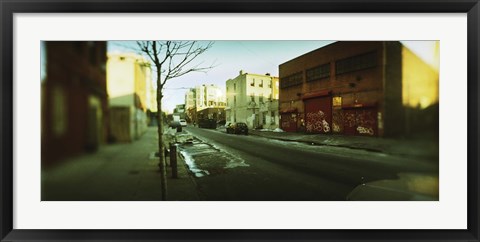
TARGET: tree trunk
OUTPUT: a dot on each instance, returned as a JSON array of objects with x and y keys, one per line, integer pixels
[{"x": 161, "y": 148}]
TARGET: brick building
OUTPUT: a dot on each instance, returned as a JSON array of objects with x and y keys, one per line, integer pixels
[
  {"x": 373, "y": 88},
  {"x": 74, "y": 98}
]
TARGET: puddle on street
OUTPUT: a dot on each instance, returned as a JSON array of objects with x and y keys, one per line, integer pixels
[
  {"x": 213, "y": 160},
  {"x": 192, "y": 166}
]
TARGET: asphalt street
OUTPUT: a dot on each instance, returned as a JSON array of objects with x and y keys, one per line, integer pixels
[{"x": 251, "y": 168}]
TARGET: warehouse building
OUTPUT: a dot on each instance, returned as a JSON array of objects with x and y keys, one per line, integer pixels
[{"x": 373, "y": 88}]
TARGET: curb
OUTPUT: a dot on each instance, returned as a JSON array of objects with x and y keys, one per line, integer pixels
[
  {"x": 319, "y": 143},
  {"x": 184, "y": 187}
]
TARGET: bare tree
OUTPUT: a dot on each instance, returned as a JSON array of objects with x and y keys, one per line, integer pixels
[{"x": 171, "y": 59}]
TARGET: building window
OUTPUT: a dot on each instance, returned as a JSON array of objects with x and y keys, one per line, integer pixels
[
  {"x": 234, "y": 100},
  {"x": 292, "y": 80},
  {"x": 318, "y": 72},
  {"x": 272, "y": 117},
  {"x": 264, "y": 118},
  {"x": 252, "y": 97},
  {"x": 260, "y": 99},
  {"x": 234, "y": 87},
  {"x": 270, "y": 84},
  {"x": 261, "y": 83},
  {"x": 356, "y": 63},
  {"x": 252, "y": 83}
]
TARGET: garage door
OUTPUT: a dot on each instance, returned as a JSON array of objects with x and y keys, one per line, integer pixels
[{"x": 318, "y": 114}]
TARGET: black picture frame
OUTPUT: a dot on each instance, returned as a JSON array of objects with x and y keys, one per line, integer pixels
[{"x": 10, "y": 7}]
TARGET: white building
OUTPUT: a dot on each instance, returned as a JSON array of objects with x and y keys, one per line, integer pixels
[
  {"x": 253, "y": 99},
  {"x": 209, "y": 96},
  {"x": 190, "y": 97}
]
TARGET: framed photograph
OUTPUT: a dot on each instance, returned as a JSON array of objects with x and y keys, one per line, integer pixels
[{"x": 234, "y": 120}]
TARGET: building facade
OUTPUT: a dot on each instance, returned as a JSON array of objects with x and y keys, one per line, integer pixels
[
  {"x": 210, "y": 103},
  {"x": 74, "y": 98},
  {"x": 128, "y": 83},
  {"x": 209, "y": 96},
  {"x": 253, "y": 99},
  {"x": 190, "y": 105},
  {"x": 372, "y": 88}
]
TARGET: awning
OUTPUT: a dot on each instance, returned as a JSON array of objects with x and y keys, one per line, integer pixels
[
  {"x": 288, "y": 110},
  {"x": 309, "y": 95}
]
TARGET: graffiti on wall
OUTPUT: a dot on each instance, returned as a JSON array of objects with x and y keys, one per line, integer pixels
[
  {"x": 288, "y": 122},
  {"x": 366, "y": 122},
  {"x": 337, "y": 121},
  {"x": 364, "y": 130},
  {"x": 350, "y": 119},
  {"x": 355, "y": 121},
  {"x": 316, "y": 122}
]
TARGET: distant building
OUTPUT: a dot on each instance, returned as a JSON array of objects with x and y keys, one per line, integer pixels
[
  {"x": 210, "y": 104},
  {"x": 253, "y": 99},
  {"x": 128, "y": 79},
  {"x": 372, "y": 88},
  {"x": 209, "y": 96},
  {"x": 190, "y": 104},
  {"x": 74, "y": 98},
  {"x": 179, "y": 108}
]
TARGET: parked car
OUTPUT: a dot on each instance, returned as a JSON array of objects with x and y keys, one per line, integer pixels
[
  {"x": 221, "y": 123},
  {"x": 183, "y": 122},
  {"x": 207, "y": 123},
  {"x": 237, "y": 128},
  {"x": 176, "y": 125}
]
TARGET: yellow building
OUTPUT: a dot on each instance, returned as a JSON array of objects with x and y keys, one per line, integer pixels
[{"x": 129, "y": 89}]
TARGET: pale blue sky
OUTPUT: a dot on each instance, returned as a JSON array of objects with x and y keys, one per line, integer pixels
[{"x": 229, "y": 57}]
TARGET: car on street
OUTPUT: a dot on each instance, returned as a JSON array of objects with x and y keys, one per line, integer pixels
[
  {"x": 221, "y": 123},
  {"x": 237, "y": 128},
  {"x": 207, "y": 123},
  {"x": 183, "y": 123},
  {"x": 176, "y": 125}
]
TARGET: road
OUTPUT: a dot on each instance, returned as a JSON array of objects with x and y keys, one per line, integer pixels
[{"x": 252, "y": 168}]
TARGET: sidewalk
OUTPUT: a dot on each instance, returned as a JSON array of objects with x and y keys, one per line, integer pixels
[
  {"x": 422, "y": 148},
  {"x": 117, "y": 172}
]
